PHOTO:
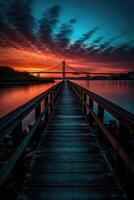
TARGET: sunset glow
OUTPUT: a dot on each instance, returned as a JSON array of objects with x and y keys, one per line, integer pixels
[
  {"x": 35, "y": 39},
  {"x": 25, "y": 60},
  {"x": 66, "y": 99}
]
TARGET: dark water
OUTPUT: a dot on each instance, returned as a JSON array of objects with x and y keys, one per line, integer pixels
[
  {"x": 13, "y": 97},
  {"x": 118, "y": 92}
]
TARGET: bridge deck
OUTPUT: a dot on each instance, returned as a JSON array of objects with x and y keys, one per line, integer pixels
[{"x": 69, "y": 163}]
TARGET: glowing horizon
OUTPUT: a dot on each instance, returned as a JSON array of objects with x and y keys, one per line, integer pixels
[
  {"x": 23, "y": 60},
  {"x": 34, "y": 41}
]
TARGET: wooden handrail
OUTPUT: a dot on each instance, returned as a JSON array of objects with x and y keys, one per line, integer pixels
[
  {"x": 126, "y": 121},
  {"x": 9, "y": 123},
  {"x": 119, "y": 113}
]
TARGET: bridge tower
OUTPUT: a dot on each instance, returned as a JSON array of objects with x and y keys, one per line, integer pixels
[
  {"x": 63, "y": 69},
  {"x": 38, "y": 74},
  {"x": 88, "y": 76}
]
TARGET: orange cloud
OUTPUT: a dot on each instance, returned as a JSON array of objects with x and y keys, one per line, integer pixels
[{"x": 35, "y": 60}]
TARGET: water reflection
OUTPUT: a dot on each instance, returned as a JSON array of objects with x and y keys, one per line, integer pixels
[
  {"x": 13, "y": 97},
  {"x": 119, "y": 92}
]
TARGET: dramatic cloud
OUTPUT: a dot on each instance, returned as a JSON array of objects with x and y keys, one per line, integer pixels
[
  {"x": 50, "y": 36},
  {"x": 20, "y": 17},
  {"x": 63, "y": 37},
  {"x": 85, "y": 37},
  {"x": 47, "y": 25}
]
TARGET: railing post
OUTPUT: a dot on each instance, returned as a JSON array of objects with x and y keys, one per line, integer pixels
[
  {"x": 46, "y": 109},
  {"x": 90, "y": 104},
  {"x": 100, "y": 113},
  {"x": 101, "y": 118},
  {"x": 79, "y": 96},
  {"x": 36, "y": 136},
  {"x": 123, "y": 137},
  {"x": 77, "y": 89},
  {"x": 37, "y": 111},
  {"x": 84, "y": 102},
  {"x": 54, "y": 93},
  {"x": 18, "y": 173},
  {"x": 51, "y": 101},
  {"x": 17, "y": 134}
]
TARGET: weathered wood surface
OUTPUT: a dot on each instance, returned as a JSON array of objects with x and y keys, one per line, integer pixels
[{"x": 69, "y": 163}]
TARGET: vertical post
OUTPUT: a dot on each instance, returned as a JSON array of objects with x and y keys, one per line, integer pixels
[
  {"x": 37, "y": 133},
  {"x": 46, "y": 108},
  {"x": 80, "y": 98},
  {"x": 18, "y": 172},
  {"x": 100, "y": 113},
  {"x": 63, "y": 69},
  {"x": 124, "y": 140},
  {"x": 99, "y": 131},
  {"x": 88, "y": 76},
  {"x": 16, "y": 134},
  {"x": 79, "y": 95},
  {"x": 54, "y": 93},
  {"x": 37, "y": 111},
  {"x": 51, "y": 101},
  {"x": 84, "y": 102},
  {"x": 90, "y": 103}
]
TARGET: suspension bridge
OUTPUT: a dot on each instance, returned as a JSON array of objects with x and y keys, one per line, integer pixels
[{"x": 65, "y": 71}]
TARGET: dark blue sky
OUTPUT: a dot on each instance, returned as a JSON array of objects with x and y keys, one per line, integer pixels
[
  {"x": 80, "y": 31},
  {"x": 112, "y": 17}
]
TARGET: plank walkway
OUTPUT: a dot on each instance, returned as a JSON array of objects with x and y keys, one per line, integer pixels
[{"x": 69, "y": 163}]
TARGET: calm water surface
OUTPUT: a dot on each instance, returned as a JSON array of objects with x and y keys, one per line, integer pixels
[
  {"x": 13, "y": 97},
  {"x": 118, "y": 92}
]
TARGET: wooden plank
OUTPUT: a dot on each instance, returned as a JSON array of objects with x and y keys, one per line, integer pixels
[{"x": 69, "y": 163}]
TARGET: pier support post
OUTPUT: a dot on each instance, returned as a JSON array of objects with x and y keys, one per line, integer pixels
[
  {"x": 100, "y": 113},
  {"x": 123, "y": 137},
  {"x": 51, "y": 101},
  {"x": 46, "y": 109},
  {"x": 90, "y": 104},
  {"x": 17, "y": 134},
  {"x": 79, "y": 96},
  {"x": 37, "y": 111},
  {"x": 100, "y": 136},
  {"x": 84, "y": 103}
]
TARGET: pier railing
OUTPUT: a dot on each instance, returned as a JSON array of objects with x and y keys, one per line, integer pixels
[
  {"x": 17, "y": 144},
  {"x": 120, "y": 140}
]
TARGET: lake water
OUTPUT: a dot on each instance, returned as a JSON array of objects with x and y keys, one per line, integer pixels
[
  {"x": 13, "y": 97},
  {"x": 119, "y": 92}
]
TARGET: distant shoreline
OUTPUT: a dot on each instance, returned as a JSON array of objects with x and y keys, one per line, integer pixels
[
  {"x": 23, "y": 83},
  {"x": 9, "y": 77}
]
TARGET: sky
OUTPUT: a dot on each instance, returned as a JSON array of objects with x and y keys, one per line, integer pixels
[
  {"x": 113, "y": 17},
  {"x": 97, "y": 35}
]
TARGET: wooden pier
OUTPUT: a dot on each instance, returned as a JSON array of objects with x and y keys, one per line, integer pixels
[{"x": 63, "y": 155}]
